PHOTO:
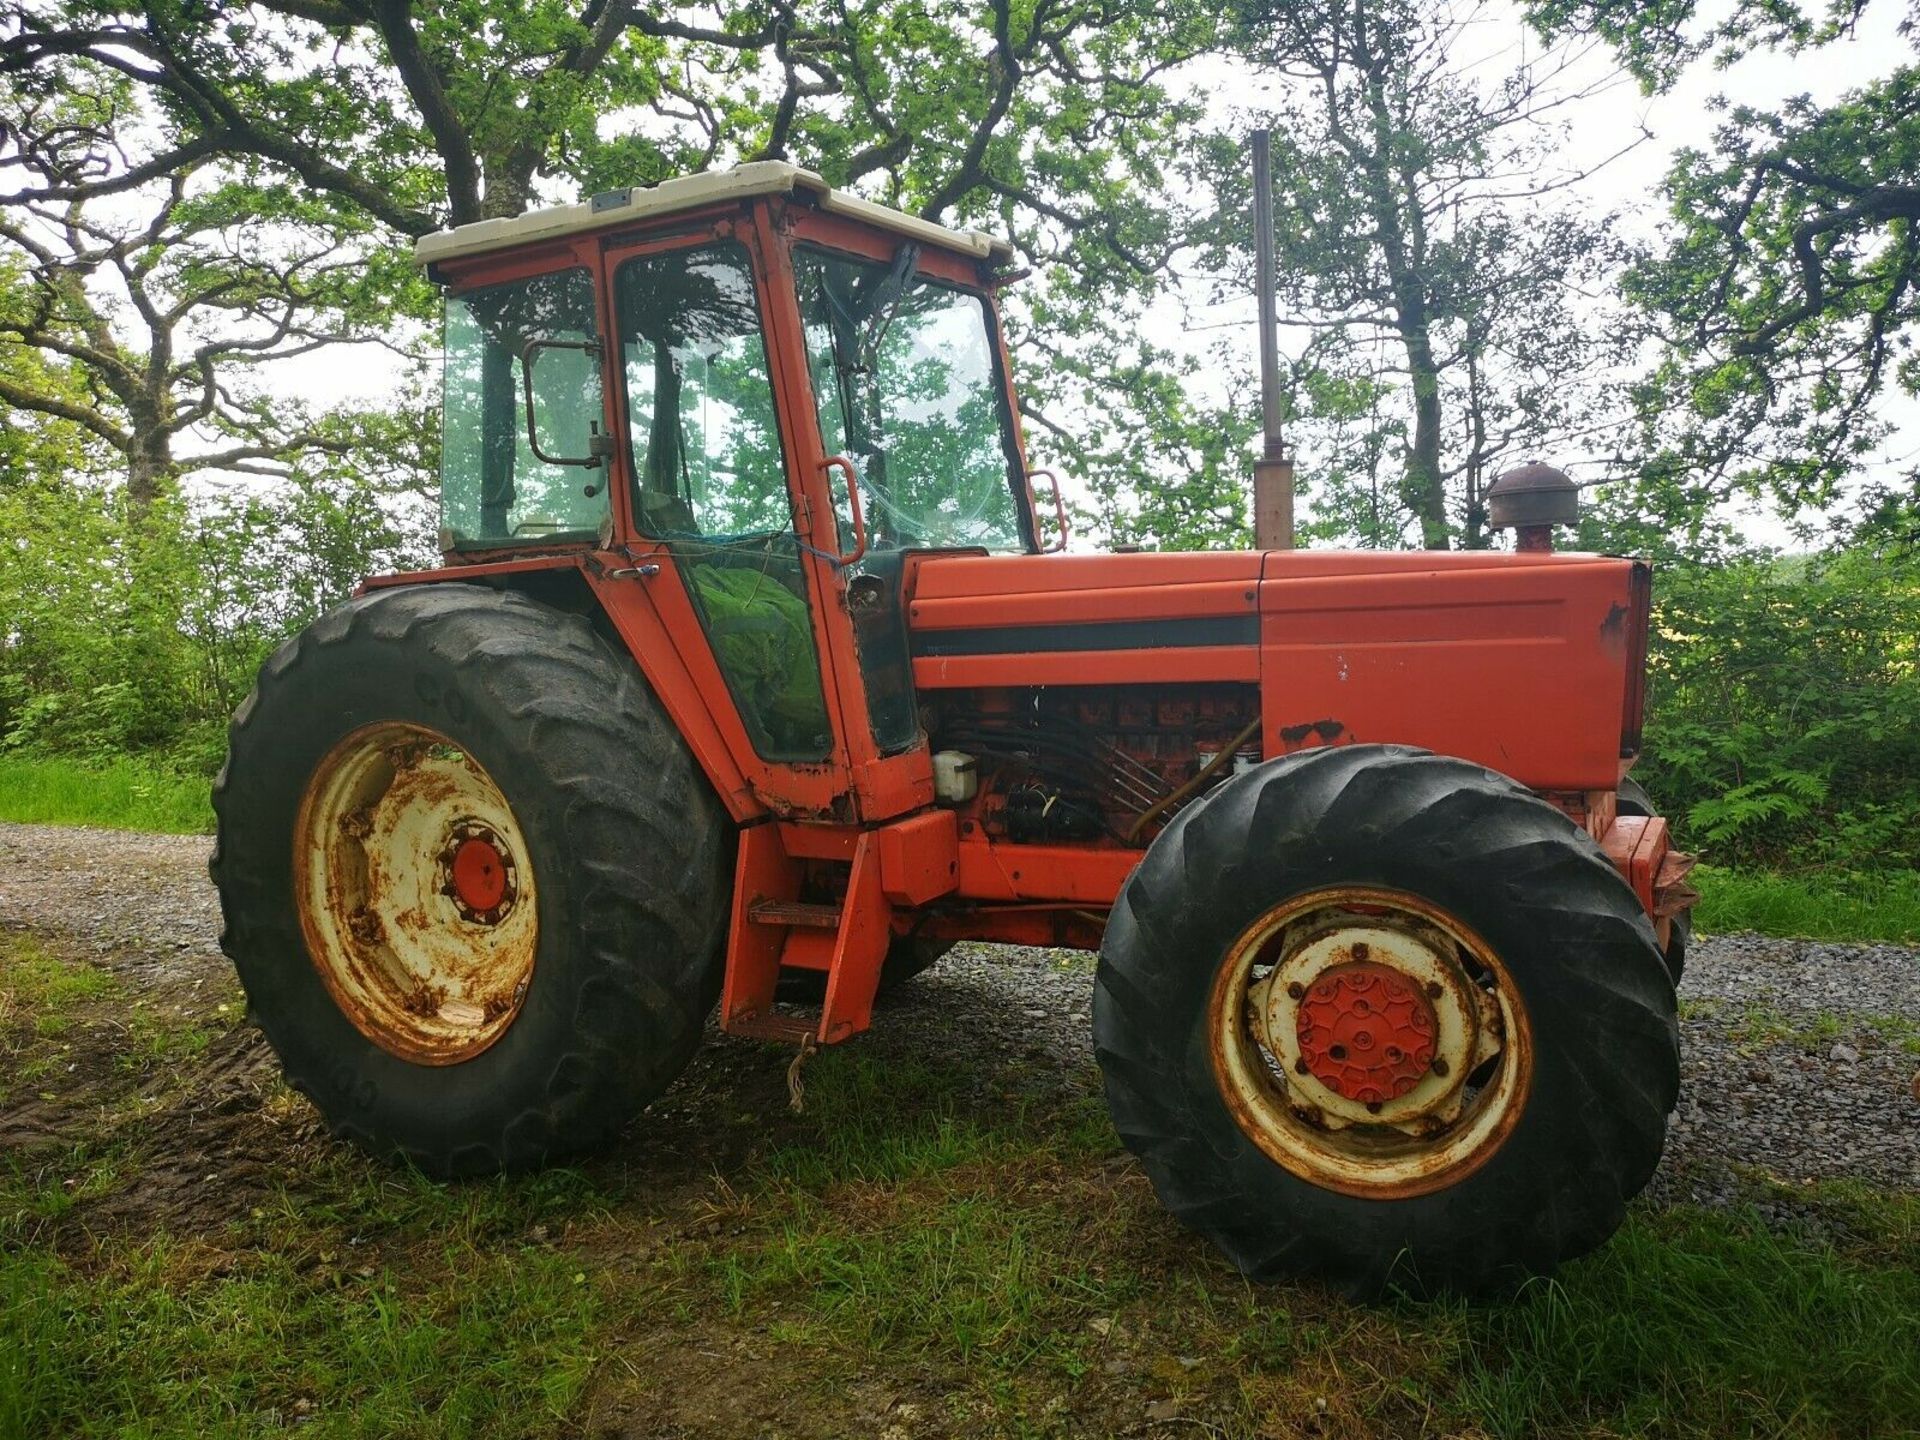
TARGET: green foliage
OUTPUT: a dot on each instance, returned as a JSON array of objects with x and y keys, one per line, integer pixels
[
  {"x": 1787, "y": 283},
  {"x": 121, "y": 792},
  {"x": 1800, "y": 1341},
  {"x": 160, "y": 1340},
  {"x": 1784, "y": 709},
  {"x": 1054, "y": 125},
  {"x": 137, "y": 630},
  {"x": 1450, "y": 297}
]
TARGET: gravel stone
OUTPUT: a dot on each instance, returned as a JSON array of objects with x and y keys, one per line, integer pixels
[{"x": 1795, "y": 1053}]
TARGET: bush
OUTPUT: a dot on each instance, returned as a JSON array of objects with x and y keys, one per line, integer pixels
[
  {"x": 1784, "y": 709},
  {"x": 137, "y": 632}
]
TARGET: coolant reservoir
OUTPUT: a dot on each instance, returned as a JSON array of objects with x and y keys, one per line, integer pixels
[{"x": 955, "y": 776}]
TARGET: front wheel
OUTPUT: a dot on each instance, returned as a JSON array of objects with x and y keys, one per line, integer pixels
[
  {"x": 1381, "y": 1016},
  {"x": 473, "y": 884}
]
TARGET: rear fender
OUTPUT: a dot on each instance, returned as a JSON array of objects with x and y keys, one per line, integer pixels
[{"x": 591, "y": 585}]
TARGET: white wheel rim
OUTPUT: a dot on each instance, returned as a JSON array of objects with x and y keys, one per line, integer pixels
[
  {"x": 415, "y": 892},
  {"x": 1335, "y": 1124}
]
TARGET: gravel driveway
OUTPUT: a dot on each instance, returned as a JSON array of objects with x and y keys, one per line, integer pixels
[{"x": 1798, "y": 1055}]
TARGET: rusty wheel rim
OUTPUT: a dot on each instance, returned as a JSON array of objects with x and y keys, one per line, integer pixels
[
  {"x": 1369, "y": 1042},
  {"x": 415, "y": 893}
]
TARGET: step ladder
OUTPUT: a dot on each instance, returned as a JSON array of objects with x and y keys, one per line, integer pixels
[{"x": 775, "y": 931}]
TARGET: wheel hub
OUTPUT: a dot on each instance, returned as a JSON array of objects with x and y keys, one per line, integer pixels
[
  {"x": 1368, "y": 1041},
  {"x": 480, "y": 875},
  {"x": 1366, "y": 1032}
]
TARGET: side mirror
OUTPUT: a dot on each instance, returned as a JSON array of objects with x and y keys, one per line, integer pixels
[{"x": 599, "y": 446}]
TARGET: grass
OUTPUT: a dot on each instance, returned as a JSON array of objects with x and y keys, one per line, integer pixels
[
  {"x": 961, "y": 1240},
  {"x": 127, "y": 793},
  {"x": 1883, "y": 905},
  {"x": 1017, "y": 1267},
  {"x": 39, "y": 997},
  {"x": 48, "y": 1001},
  {"x": 176, "y": 1339},
  {"x": 978, "y": 1257},
  {"x": 1698, "y": 1323},
  {"x": 1762, "y": 1025},
  {"x": 34, "y": 980}
]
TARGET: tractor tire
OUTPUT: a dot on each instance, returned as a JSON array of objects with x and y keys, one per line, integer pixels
[
  {"x": 1480, "y": 903},
  {"x": 907, "y": 957},
  {"x": 472, "y": 881},
  {"x": 1634, "y": 800}
]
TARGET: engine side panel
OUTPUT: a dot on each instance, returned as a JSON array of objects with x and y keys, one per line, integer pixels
[
  {"x": 1521, "y": 668},
  {"x": 1523, "y": 663}
]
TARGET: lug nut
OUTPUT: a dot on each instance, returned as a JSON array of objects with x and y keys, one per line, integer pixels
[
  {"x": 1440, "y": 1066},
  {"x": 1361, "y": 950},
  {"x": 1296, "y": 991}
]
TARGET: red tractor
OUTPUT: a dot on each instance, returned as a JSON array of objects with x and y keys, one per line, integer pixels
[{"x": 753, "y": 660}]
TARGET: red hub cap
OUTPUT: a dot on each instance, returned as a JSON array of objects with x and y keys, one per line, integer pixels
[
  {"x": 1366, "y": 1032},
  {"x": 479, "y": 875}
]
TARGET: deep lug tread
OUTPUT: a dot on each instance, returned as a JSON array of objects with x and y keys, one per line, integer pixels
[
  {"x": 1582, "y": 952},
  {"x": 638, "y": 938}
]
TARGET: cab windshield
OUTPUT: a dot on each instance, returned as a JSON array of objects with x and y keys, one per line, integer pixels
[{"x": 907, "y": 380}]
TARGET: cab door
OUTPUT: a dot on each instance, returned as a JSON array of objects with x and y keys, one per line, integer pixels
[
  {"x": 724, "y": 487},
  {"x": 902, "y": 409}
]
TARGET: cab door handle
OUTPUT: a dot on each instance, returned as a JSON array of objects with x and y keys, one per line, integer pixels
[
  {"x": 846, "y": 558},
  {"x": 1059, "y": 510}
]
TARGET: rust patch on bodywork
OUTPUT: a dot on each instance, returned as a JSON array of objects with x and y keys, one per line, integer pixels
[{"x": 1327, "y": 732}]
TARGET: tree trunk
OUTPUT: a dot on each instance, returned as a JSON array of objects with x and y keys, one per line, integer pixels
[
  {"x": 149, "y": 467},
  {"x": 1424, "y": 489}
]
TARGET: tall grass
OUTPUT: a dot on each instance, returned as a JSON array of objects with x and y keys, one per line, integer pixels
[
  {"x": 126, "y": 793},
  {"x": 1698, "y": 1323},
  {"x": 1836, "y": 905}
]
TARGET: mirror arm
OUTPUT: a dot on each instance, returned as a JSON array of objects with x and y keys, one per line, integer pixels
[{"x": 1059, "y": 511}]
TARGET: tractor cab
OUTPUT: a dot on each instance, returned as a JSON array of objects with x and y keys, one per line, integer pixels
[{"x": 760, "y": 395}]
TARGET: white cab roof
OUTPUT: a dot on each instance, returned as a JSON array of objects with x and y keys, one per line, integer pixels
[{"x": 645, "y": 202}]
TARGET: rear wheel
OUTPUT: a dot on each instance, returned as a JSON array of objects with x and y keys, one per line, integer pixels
[
  {"x": 472, "y": 881},
  {"x": 1381, "y": 1016}
]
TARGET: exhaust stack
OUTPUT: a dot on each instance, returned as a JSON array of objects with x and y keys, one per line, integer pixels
[{"x": 1273, "y": 471}]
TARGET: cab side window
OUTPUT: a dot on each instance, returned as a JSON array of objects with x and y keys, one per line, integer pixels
[
  {"x": 705, "y": 437},
  {"x": 494, "y": 490}
]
